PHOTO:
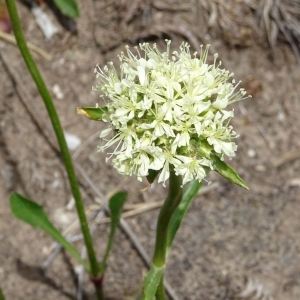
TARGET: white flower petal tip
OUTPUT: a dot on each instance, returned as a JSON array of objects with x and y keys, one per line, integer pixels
[{"x": 163, "y": 108}]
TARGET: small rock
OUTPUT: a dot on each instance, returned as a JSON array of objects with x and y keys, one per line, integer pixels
[
  {"x": 260, "y": 168},
  {"x": 251, "y": 153},
  {"x": 73, "y": 141},
  {"x": 57, "y": 91}
]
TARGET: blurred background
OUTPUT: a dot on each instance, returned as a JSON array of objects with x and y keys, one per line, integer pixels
[{"x": 233, "y": 244}]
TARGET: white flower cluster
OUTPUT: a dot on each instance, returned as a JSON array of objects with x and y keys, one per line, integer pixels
[{"x": 161, "y": 109}]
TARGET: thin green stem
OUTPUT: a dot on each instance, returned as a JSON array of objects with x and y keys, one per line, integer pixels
[
  {"x": 58, "y": 131},
  {"x": 160, "y": 293},
  {"x": 173, "y": 200},
  {"x": 99, "y": 293},
  {"x": 98, "y": 283},
  {"x": 108, "y": 248}
]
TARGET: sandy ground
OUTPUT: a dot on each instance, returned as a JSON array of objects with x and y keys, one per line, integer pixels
[{"x": 229, "y": 235}]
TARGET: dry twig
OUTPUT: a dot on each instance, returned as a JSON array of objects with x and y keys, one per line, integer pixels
[
  {"x": 11, "y": 39},
  {"x": 281, "y": 16},
  {"x": 286, "y": 157}
]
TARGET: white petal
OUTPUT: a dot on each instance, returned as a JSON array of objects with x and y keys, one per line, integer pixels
[
  {"x": 209, "y": 79},
  {"x": 175, "y": 143},
  {"x": 118, "y": 88},
  {"x": 141, "y": 74},
  {"x": 157, "y": 164},
  {"x": 220, "y": 103},
  {"x": 168, "y": 129},
  {"x": 184, "y": 140},
  {"x": 165, "y": 173},
  {"x": 105, "y": 132},
  {"x": 176, "y": 86},
  {"x": 159, "y": 130},
  {"x": 144, "y": 165}
]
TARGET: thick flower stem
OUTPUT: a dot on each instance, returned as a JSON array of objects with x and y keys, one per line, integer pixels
[
  {"x": 173, "y": 200},
  {"x": 58, "y": 131}
]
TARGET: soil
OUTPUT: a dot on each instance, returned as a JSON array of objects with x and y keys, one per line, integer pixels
[{"x": 231, "y": 239}]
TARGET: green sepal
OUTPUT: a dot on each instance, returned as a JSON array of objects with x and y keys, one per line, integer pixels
[
  {"x": 204, "y": 148},
  {"x": 93, "y": 113},
  {"x": 68, "y": 7},
  {"x": 226, "y": 171},
  {"x": 151, "y": 282},
  {"x": 34, "y": 215}
]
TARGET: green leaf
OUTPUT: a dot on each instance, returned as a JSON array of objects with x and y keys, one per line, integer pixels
[
  {"x": 68, "y": 7},
  {"x": 189, "y": 194},
  {"x": 226, "y": 171},
  {"x": 115, "y": 205},
  {"x": 93, "y": 113},
  {"x": 1, "y": 295},
  {"x": 34, "y": 214},
  {"x": 151, "y": 282}
]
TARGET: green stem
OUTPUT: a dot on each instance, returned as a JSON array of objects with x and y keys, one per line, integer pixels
[
  {"x": 99, "y": 293},
  {"x": 98, "y": 283},
  {"x": 173, "y": 200},
  {"x": 160, "y": 293},
  {"x": 171, "y": 203},
  {"x": 58, "y": 131},
  {"x": 108, "y": 248}
]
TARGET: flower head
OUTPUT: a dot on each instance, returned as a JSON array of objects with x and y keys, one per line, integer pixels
[{"x": 168, "y": 111}]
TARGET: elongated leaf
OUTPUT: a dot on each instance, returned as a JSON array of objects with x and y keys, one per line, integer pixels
[
  {"x": 188, "y": 196},
  {"x": 226, "y": 171},
  {"x": 151, "y": 282},
  {"x": 68, "y": 7},
  {"x": 115, "y": 204},
  {"x": 93, "y": 113},
  {"x": 34, "y": 214},
  {"x": 220, "y": 166},
  {"x": 1, "y": 295}
]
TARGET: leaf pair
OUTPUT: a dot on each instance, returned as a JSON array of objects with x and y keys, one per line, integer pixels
[{"x": 34, "y": 215}]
